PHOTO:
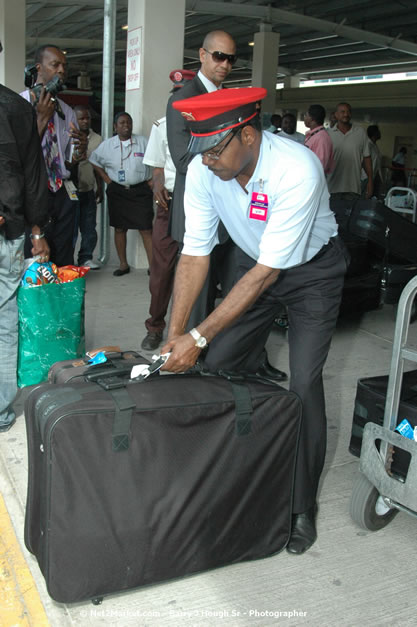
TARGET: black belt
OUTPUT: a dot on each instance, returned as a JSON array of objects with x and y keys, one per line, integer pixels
[{"x": 324, "y": 248}]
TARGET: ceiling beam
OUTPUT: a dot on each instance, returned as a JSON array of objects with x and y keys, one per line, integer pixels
[
  {"x": 277, "y": 16},
  {"x": 71, "y": 43},
  {"x": 95, "y": 4},
  {"x": 240, "y": 63}
]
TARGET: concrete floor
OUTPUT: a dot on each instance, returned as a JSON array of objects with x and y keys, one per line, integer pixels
[{"x": 349, "y": 577}]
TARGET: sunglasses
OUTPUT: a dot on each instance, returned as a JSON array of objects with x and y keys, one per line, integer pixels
[
  {"x": 214, "y": 156},
  {"x": 219, "y": 57}
]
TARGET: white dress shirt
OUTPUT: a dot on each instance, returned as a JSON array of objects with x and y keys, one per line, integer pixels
[{"x": 299, "y": 220}]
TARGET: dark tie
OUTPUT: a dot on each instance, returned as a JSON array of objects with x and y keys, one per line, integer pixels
[{"x": 52, "y": 161}]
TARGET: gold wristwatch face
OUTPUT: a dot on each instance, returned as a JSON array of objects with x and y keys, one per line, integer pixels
[{"x": 201, "y": 342}]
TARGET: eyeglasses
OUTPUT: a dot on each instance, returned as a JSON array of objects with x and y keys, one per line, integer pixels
[
  {"x": 219, "y": 57},
  {"x": 214, "y": 156}
]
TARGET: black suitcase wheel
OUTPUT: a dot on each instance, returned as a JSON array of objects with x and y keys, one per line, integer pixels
[{"x": 366, "y": 509}]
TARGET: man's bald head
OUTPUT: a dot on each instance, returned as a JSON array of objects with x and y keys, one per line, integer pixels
[
  {"x": 214, "y": 35},
  {"x": 217, "y": 41}
]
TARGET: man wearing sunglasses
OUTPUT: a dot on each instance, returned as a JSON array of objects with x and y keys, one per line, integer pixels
[
  {"x": 272, "y": 196},
  {"x": 217, "y": 57}
]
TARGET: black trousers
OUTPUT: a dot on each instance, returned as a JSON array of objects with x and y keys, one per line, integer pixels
[
  {"x": 222, "y": 271},
  {"x": 312, "y": 294},
  {"x": 60, "y": 230}
]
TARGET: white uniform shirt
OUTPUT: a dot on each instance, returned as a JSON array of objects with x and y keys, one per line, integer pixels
[
  {"x": 296, "y": 136},
  {"x": 157, "y": 152},
  {"x": 299, "y": 220},
  {"x": 113, "y": 155}
]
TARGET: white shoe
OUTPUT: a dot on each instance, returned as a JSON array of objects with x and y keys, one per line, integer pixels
[{"x": 92, "y": 264}]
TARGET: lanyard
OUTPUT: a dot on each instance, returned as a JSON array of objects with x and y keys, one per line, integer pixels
[
  {"x": 315, "y": 133},
  {"x": 122, "y": 158}
]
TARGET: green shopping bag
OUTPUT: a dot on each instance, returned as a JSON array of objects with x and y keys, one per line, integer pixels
[{"x": 51, "y": 328}]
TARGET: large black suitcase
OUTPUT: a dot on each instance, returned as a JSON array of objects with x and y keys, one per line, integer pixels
[
  {"x": 361, "y": 293},
  {"x": 360, "y": 257},
  {"x": 394, "y": 279},
  {"x": 372, "y": 220},
  {"x": 370, "y": 400},
  {"x": 155, "y": 480}
]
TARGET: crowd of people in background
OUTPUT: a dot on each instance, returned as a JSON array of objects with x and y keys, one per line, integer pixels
[
  {"x": 78, "y": 162},
  {"x": 70, "y": 164}
]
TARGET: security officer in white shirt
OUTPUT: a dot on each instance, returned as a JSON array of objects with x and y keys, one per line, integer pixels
[
  {"x": 164, "y": 247},
  {"x": 119, "y": 162},
  {"x": 272, "y": 196}
]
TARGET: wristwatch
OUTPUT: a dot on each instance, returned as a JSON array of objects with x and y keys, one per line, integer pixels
[{"x": 200, "y": 341}]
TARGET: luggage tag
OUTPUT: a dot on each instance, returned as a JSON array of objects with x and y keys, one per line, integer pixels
[
  {"x": 99, "y": 358},
  {"x": 71, "y": 190},
  {"x": 143, "y": 371},
  {"x": 405, "y": 429},
  {"x": 121, "y": 176},
  {"x": 258, "y": 209}
]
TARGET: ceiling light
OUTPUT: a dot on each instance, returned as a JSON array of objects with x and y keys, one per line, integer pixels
[
  {"x": 125, "y": 27},
  {"x": 251, "y": 43}
]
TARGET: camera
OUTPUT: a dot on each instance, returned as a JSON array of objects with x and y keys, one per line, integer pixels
[{"x": 53, "y": 87}]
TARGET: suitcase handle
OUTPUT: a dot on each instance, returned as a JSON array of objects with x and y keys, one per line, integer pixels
[
  {"x": 112, "y": 382},
  {"x": 245, "y": 376},
  {"x": 98, "y": 372},
  {"x": 104, "y": 349}
]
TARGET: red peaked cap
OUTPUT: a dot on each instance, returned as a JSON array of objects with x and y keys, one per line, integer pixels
[
  {"x": 211, "y": 117},
  {"x": 180, "y": 77}
]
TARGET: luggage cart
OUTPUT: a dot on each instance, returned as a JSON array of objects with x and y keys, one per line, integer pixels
[
  {"x": 378, "y": 494},
  {"x": 403, "y": 200}
]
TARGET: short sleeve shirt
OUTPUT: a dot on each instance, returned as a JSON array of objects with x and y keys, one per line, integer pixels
[
  {"x": 319, "y": 142},
  {"x": 296, "y": 136},
  {"x": 157, "y": 152},
  {"x": 113, "y": 156},
  {"x": 349, "y": 149},
  {"x": 299, "y": 221}
]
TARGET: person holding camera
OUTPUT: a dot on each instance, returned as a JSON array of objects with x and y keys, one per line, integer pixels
[{"x": 62, "y": 145}]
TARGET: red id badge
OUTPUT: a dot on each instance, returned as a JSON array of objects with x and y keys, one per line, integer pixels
[{"x": 259, "y": 206}]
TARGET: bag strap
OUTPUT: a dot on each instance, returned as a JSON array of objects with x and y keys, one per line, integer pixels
[
  {"x": 122, "y": 418},
  {"x": 244, "y": 409}
]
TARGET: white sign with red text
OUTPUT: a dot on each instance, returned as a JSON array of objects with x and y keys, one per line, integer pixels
[{"x": 133, "y": 53}]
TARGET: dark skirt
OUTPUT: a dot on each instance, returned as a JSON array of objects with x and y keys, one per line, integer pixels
[{"x": 130, "y": 208}]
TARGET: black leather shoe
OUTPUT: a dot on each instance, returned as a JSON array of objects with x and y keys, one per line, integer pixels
[
  {"x": 268, "y": 371},
  {"x": 303, "y": 532},
  {"x": 119, "y": 272},
  {"x": 151, "y": 341}
]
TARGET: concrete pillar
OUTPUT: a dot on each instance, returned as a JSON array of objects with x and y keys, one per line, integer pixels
[
  {"x": 291, "y": 81},
  {"x": 265, "y": 65},
  {"x": 156, "y": 38},
  {"x": 12, "y": 36},
  {"x": 159, "y": 26}
]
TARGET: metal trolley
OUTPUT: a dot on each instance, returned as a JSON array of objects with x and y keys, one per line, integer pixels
[{"x": 378, "y": 493}]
